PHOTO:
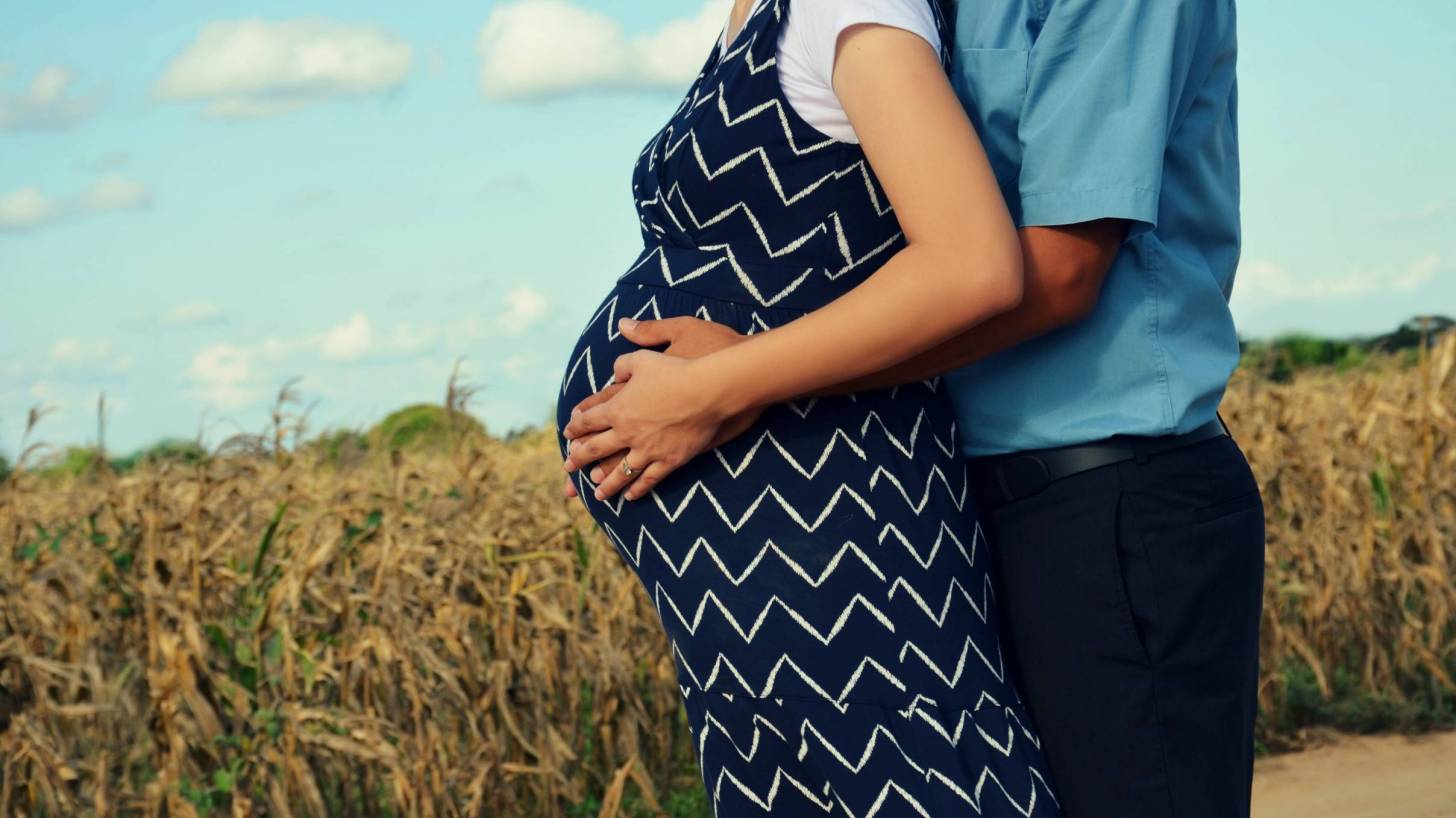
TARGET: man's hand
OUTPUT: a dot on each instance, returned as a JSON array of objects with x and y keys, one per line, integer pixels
[{"x": 685, "y": 337}]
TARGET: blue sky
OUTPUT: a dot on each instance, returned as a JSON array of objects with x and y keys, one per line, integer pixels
[{"x": 200, "y": 201}]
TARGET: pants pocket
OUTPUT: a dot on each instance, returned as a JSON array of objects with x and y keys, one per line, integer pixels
[
  {"x": 1207, "y": 575},
  {"x": 1073, "y": 594},
  {"x": 1131, "y": 576}
]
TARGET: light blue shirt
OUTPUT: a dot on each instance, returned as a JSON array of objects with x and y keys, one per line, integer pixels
[{"x": 1110, "y": 108}]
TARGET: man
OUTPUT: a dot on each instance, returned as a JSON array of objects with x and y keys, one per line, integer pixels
[{"x": 1125, "y": 525}]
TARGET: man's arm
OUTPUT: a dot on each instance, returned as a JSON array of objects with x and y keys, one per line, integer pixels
[{"x": 1065, "y": 267}]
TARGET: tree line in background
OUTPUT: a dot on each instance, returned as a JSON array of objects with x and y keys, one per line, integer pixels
[
  {"x": 426, "y": 426},
  {"x": 1279, "y": 358}
]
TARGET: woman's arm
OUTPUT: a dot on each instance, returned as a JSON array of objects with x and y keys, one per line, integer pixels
[
  {"x": 961, "y": 265},
  {"x": 962, "y": 261}
]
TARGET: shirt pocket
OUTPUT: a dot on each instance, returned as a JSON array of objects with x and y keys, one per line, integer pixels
[{"x": 991, "y": 84}]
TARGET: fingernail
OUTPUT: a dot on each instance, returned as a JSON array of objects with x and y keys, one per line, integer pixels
[
  {"x": 627, "y": 323},
  {"x": 597, "y": 494},
  {"x": 597, "y": 475},
  {"x": 575, "y": 411}
]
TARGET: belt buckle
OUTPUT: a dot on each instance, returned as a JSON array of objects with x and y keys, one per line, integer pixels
[{"x": 1021, "y": 476}]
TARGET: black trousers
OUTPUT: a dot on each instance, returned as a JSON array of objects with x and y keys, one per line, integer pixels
[{"x": 1130, "y": 598}]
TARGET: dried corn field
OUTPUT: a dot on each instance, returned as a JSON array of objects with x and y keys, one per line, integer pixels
[{"x": 448, "y": 636}]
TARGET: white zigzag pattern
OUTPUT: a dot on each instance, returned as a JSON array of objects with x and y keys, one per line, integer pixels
[
  {"x": 982, "y": 610},
  {"x": 857, "y": 762},
  {"x": 701, "y": 544},
  {"x": 959, "y": 498},
  {"x": 952, "y": 679},
  {"x": 699, "y": 487},
  {"x": 722, "y": 664},
  {"x": 953, "y": 737},
  {"x": 823, "y": 637},
  {"x": 891, "y": 529},
  {"x": 610, "y": 309}
]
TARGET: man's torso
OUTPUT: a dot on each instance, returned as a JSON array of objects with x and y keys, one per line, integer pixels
[{"x": 1155, "y": 355}]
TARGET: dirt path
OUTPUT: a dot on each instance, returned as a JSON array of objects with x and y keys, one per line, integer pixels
[{"x": 1368, "y": 777}]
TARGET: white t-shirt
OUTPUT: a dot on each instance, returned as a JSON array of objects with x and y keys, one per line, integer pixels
[{"x": 807, "y": 43}]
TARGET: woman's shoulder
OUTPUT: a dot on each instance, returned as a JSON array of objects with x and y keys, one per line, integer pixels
[{"x": 814, "y": 26}]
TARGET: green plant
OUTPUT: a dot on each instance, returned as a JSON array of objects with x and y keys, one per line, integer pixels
[
  {"x": 168, "y": 449},
  {"x": 73, "y": 461},
  {"x": 422, "y": 427}
]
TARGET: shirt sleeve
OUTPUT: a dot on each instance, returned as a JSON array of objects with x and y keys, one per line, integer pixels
[
  {"x": 1106, "y": 82},
  {"x": 824, "y": 20}
]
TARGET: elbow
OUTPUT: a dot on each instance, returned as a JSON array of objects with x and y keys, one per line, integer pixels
[
  {"x": 1004, "y": 282},
  {"x": 983, "y": 282},
  {"x": 1074, "y": 294}
]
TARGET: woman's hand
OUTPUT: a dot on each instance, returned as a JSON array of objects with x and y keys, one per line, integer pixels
[
  {"x": 684, "y": 337},
  {"x": 663, "y": 415}
]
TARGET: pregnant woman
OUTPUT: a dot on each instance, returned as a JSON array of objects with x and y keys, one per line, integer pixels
[{"x": 821, "y": 576}]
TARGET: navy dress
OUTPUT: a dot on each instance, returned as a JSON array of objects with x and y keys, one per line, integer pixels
[{"x": 822, "y": 578}]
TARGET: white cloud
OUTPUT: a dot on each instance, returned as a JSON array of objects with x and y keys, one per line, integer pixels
[
  {"x": 516, "y": 365},
  {"x": 222, "y": 374},
  {"x": 1425, "y": 213},
  {"x": 1260, "y": 283},
  {"x": 45, "y": 104},
  {"x": 275, "y": 349},
  {"x": 542, "y": 48},
  {"x": 524, "y": 307},
  {"x": 357, "y": 339},
  {"x": 408, "y": 339},
  {"x": 78, "y": 352},
  {"x": 1418, "y": 273},
  {"x": 26, "y": 209},
  {"x": 244, "y": 69},
  {"x": 348, "y": 341},
  {"x": 30, "y": 207},
  {"x": 47, "y": 395},
  {"x": 112, "y": 193},
  {"x": 192, "y": 314}
]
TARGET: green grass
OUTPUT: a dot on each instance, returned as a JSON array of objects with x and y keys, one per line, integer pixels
[{"x": 1353, "y": 709}]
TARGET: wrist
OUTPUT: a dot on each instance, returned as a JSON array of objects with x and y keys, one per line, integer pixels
[{"x": 724, "y": 394}]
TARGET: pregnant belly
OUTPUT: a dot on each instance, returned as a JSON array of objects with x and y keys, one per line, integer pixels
[
  {"x": 589, "y": 367},
  {"x": 822, "y": 506},
  {"x": 906, "y": 413}
]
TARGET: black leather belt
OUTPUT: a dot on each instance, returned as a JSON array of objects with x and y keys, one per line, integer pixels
[{"x": 1005, "y": 478}]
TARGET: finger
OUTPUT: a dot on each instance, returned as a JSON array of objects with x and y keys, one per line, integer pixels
[
  {"x": 605, "y": 465},
  {"x": 592, "y": 420},
  {"x": 585, "y": 452},
  {"x": 648, "y": 480},
  {"x": 617, "y": 479},
  {"x": 626, "y": 364},
  {"x": 601, "y": 396},
  {"x": 651, "y": 333}
]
